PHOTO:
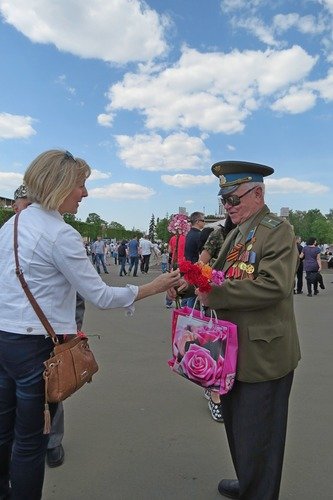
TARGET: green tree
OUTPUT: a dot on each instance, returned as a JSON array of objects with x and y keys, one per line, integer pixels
[
  {"x": 5, "y": 214},
  {"x": 116, "y": 225},
  {"x": 151, "y": 232},
  {"x": 312, "y": 223},
  {"x": 161, "y": 229}
]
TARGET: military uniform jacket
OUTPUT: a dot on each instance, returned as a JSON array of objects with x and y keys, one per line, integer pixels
[{"x": 262, "y": 307}]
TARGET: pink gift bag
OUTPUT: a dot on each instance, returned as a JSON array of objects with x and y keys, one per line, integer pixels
[{"x": 204, "y": 349}]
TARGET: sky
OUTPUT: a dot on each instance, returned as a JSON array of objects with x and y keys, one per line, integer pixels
[{"x": 152, "y": 93}]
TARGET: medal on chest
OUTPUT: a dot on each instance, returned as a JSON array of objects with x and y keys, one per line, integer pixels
[{"x": 242, "y": 257}]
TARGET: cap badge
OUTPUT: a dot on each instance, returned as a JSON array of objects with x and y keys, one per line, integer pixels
[{"x": 223, "y": 180}]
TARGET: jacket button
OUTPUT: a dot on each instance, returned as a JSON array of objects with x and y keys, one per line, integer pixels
[{"x": 30, "y": 329}]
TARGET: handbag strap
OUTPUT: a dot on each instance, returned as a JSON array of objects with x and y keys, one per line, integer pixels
[{"x": 19, "y": 273}]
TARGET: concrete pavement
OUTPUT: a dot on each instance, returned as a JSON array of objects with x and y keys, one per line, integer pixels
[{"x": 141, "y": 432}]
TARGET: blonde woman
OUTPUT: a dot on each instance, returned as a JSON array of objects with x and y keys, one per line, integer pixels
[{"x": 55, "y": 266}]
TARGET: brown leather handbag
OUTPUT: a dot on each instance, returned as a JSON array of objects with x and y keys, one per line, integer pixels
[{"x": 71, "y": 364}]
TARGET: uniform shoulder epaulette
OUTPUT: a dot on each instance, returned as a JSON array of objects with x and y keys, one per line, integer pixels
[{"x": 271, "y": 221}]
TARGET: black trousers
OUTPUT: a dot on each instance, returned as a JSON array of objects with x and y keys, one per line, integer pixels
[
  {"x": 299, "y": 278},
  {"x": 255, "y": 417}
]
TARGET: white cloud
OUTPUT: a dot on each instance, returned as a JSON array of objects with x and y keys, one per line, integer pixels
[
  {"x": 62, "y": 80},
  {"x": 230, "y": 147},
  {"x": 187, "y": 180},
  {"x": 296, "y": 101},
  {"x": 188, "y": 202},
  {"x": 263, "y": 32},
  {"x": 117, "y": 31},
  {"x": 323, "y": 86},
  {"x": 214, "y": 92},
  {"x": 105, "y": 120},
  {"x": 328, "y": 4},
  {"x": 233, "y": 5},
  {"x": 289, "y": 185},
  {"x": 9, "y": 182},
  {"x": 122, "y": 190},
  {"x": 305, "y": 24},
  {"x": 16, "y": 126},
  {"x": 177, "y": 151},
  {"x": 97, "y": 175}
]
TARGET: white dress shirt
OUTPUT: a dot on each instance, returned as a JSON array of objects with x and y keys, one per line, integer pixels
[{"x": 55, "y": 266}]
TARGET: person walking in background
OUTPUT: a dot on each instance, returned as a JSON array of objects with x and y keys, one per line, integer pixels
[
  {"x": 259, "y": 258},
  {"x": 146, "y": 248},
  {"x": 133, "y": 254},
  {"x": 299, "y": 274},
  {"x": 99, "y": 251},
  {"x": 312, "y": 265},
  {"x": 122, "y": 256},
  {"x": 55, "y": 270},
  {"x": 164, "y": 260}
]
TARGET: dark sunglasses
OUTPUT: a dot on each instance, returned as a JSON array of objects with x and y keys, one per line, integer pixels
[{"x": 234, "y": 199}]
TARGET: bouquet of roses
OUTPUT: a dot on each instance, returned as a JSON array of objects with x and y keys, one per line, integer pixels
[{"x": 202, "y": 276}]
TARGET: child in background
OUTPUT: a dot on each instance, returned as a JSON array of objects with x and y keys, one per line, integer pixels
[{"x": 164, "y": 260}]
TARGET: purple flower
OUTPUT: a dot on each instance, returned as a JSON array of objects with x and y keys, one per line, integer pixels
[{"x": 198, "y": 365}]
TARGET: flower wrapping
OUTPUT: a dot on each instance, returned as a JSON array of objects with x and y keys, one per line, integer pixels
[{"x": 204, "y": 349}]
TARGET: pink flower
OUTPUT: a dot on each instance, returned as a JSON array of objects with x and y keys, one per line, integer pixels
[
  {"x": 217, "y": 277},
  {"x": 179, "y": 224},
  {"x": 198, "y": 365},
  {"x": 219, "y": 368}
]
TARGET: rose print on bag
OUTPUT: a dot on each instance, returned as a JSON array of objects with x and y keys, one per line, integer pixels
[{"x": 197, "y": 364}]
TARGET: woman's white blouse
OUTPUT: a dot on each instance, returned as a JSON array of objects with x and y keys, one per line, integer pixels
[{"x": 55, "y": 266}]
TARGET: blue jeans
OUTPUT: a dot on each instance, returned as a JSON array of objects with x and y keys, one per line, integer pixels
[
  {"x": 100, "y": 260},
  {"x": 134, "y": 262},
  {"x": 22, "y": 442},
  {"x": 189, "y": 302},
  {"x": 122, "y": 262}
]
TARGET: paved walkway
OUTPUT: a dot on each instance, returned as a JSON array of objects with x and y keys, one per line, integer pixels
[{"x": 140, "y": 432}]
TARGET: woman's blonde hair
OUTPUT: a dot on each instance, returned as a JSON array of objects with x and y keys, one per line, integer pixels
[{"x": 52, "y": 176}]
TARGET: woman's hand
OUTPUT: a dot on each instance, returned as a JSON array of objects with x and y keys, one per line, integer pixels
[
  {"x": 166, "y": 281},
  {"x": 160, "y": 284}
]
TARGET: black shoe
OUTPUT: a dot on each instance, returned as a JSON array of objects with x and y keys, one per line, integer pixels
[
  {"x": 315, "y": 292},
  {"x": 215, "y": 410},
  {"x": 55, "y": 456},
  {"x": 322, "y": 286},
  {"x": 298, "y": 293},
  {"x": 229, "y": 488},
  {"x": 309, "y": 295},
  {"x": 106, "y": 272}
]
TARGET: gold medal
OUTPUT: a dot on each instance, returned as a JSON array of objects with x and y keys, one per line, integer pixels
[
  {"x": 249, "y": 269},
  {"x": 249, "y": 247},
  {"x": 242, "y": 266}
]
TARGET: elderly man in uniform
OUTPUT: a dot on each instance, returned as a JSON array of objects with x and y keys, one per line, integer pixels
[{"x": 260, "y": 260}]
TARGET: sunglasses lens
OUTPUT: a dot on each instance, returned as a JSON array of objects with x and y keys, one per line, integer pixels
[{"x": 232, "y": 200}]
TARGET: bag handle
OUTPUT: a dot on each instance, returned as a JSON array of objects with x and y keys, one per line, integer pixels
[
  {"x": 213, "y": 314},
  {"x": 19, "y": 273}
]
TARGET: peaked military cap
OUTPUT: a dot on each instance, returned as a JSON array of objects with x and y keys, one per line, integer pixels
[
  {"x": 233, "y": 173},
  {"x": 21, "y": 192}
]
